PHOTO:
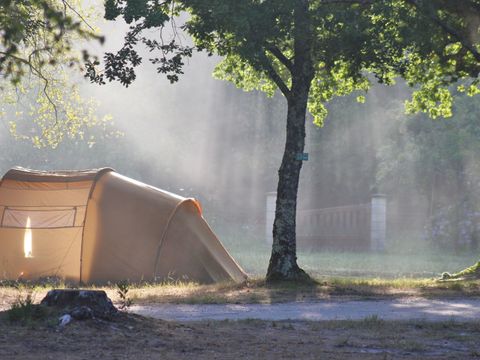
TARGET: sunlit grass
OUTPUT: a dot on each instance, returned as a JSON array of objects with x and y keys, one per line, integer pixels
[
  {"x": 257, "y": 291},
  {"x": 253, "y": 255}
]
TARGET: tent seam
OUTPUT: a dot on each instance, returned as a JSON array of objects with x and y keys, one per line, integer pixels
[
  {"x": 92, "y": 189},
  {"x": 165, "y": 231}
]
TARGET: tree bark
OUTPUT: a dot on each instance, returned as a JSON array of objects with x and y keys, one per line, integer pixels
[{"x": 283, "y": 261}]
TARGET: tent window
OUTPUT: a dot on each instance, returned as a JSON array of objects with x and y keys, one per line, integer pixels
[{"x": 39, "y": 219}]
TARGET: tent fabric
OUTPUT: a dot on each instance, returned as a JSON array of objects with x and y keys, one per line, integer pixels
[{"x": 97, "y": 226}]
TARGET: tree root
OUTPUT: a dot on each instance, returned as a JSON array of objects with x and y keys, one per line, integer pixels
[
  {"x": 470, "y": 273},
  {"x": 296, "y": 275}
]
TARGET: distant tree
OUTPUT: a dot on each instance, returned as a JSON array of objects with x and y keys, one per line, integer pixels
[
  {"x": 440, "y": 159},
  {"x": 312, "y": 51}
]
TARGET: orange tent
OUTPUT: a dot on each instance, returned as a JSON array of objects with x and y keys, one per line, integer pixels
[{"x": 96, "y": 226}]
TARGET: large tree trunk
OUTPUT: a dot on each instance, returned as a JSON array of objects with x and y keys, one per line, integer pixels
[{"x": 283, "y": 261}]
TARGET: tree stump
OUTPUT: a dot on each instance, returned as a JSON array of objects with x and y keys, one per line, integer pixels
[{"x": 81, "y": 304}]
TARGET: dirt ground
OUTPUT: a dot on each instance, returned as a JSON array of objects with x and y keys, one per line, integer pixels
[
  {"x": 135, "y": 337},
  {"x": 339, "y": 309}
]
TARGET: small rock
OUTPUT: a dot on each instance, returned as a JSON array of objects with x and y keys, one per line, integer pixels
[{"x": 64, "y": 319}]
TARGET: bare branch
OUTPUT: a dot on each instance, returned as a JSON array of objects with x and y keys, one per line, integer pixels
[{"x": 65, "y": 2}]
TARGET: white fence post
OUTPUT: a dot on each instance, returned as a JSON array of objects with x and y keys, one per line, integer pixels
[
  {"x": 270, "y": 215},
  {"x": 378, "y": 228}
]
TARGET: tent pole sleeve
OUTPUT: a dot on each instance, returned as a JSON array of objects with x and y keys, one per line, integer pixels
[
  {"x": 94, "y": 184},
  {"x": 165, "y": 231}
]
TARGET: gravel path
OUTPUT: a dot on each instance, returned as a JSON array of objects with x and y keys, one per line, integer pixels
[{"x": 398, "y": 309}]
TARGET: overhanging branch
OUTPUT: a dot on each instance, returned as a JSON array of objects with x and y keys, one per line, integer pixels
[{"x": 449, "y": 30}]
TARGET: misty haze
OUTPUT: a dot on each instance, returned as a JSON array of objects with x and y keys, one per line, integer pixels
[
  {"x": 239, "y": 179},
  {"x": 206, "y": 139}
]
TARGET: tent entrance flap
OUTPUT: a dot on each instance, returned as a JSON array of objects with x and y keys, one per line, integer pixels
[{"x": 38, "y": 218}]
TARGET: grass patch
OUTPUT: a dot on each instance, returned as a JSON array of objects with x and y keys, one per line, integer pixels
[
  {"x": 414, "y": 261},
  {"x": 25, "y": 312},
  {"x": 258, "y": 291}
]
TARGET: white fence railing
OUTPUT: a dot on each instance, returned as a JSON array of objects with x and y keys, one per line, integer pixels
[{"x": 345, "y": 227}]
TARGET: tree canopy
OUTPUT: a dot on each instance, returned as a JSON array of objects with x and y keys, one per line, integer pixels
[
  {"x": 430, "y": 44},
  {"x": 311, "y": 51}
]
